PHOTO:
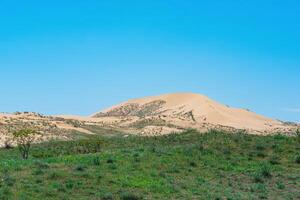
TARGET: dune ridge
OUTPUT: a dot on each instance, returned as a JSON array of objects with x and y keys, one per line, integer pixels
[{"x": 189, "y": 109}]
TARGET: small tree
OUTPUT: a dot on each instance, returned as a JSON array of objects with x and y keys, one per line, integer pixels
[{"x": 24, "y": 139}]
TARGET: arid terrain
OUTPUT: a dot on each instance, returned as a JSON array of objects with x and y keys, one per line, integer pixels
[{"x": 148, "y": 116}]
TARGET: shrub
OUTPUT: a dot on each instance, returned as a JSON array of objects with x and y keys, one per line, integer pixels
[
  {"x": 38, "y": 171},
  {"x": 69, "y": 184},
  {"x": 113, "y": 166},
  {"x": 96, "y": 161},
  {"x": 297, "y": 159},
  {"x": 5, "y": 193},
  {"x": 193, "y": 164},
  {"x": 41, "y": 165},
  {"x": 38, "y": 181},
  {"x": 259, "y": 188},
  {"x": 258, "y": 178},
  {"x": 129, "y": 196},
  {"x": 265, "y": 171},
  {"x": 110, "y": 161},
  {"x": 24, "y": 139},
  {"x": 260, "y": 147},
  {"x": 277, "y": 148},
  {"x": 226, "y": 151},
  {"x": 107, "y": 196},
  {"x": 280, "y": 185},
  {"x": 54, "y": 175},
  {"x": 80, "y": 168},
  {"x": 261, "y": 154},
  {"x": 275, "y": 160},
  {"x": 7, "y": 179},
  {"x": 61, "y": 188}
]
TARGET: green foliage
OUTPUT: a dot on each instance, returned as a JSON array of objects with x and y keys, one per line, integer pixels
[
  {"x": 24, "y": 139},
  {"x": 280, "y": 185},
  {"x": 6, "y": 179},
  {"x": 274, "y": 160},
  {"x": 265, "y": 171},
  {"x": 80, "y": 168},
  {"x": 84, "y": 146},
  {"x": 96, "y": 161},
  {"x": 107, "y": 196},
  {"x": 213, "y": 165},
  {"x": 298, "y": 135},
  {"x": 297, "y": 159},
  {"x": 129, "y": 196}
]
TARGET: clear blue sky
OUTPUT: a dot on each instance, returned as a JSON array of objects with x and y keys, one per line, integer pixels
[{"x": 77, "y": 57}]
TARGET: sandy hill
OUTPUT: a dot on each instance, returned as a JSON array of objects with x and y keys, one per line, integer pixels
[
  {"x": 191, "y": 110},
  {"x": 156, "y": 115}
]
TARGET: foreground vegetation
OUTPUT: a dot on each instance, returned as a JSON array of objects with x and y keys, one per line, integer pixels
[{"x": 215, "y": 165}]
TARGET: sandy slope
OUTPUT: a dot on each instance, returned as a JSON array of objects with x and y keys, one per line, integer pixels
[
  {"x": 188, "y": 109},
  {"x": 155, "y": 115}
]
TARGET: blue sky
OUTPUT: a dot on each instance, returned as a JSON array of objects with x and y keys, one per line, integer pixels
[{"x": 77, "y": 57}]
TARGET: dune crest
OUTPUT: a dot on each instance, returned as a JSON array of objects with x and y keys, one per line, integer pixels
[{"x": 191, "y": 110}]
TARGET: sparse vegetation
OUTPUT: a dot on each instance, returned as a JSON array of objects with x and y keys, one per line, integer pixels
[{"x": 215, "y": 165}]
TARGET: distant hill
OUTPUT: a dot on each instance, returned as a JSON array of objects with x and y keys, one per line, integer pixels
[
  {"x": 149, "y": 116},
  {"x": 191, "y": 110}
]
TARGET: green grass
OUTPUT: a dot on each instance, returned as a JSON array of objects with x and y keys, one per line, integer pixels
[{"x": 214, "y": 165}]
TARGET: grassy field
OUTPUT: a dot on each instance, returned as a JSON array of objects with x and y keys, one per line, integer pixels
[{"x": 214, "y": 165}]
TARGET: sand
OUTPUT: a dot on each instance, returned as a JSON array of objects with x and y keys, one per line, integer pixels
[
  {"x": 156, "y": 115},
  {"x": 203, "y": 110}
]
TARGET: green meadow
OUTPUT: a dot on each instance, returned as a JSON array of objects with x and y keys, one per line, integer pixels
[{"x": 214, "y": 165}]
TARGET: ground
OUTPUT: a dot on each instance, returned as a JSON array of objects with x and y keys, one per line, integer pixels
[{"x": 215, "y": 165}]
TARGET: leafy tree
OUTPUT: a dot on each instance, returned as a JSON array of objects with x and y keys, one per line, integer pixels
[{"x": 24, "y": 139}]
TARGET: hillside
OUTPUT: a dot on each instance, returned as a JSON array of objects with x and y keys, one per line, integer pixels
[
  {"x": 150, "y": 116},
  {"x": 186, "y": 110}
]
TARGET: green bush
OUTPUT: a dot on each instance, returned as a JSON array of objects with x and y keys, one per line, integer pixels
[
  {"x": 54, "y": 175},
  {"x": 297, "y": 159},
  {"x": 107, "y": 196},
  {"x": 280, "y": 185},
  {"x": 41, "y": 165},
  {"x": 266, "y": 171},
  {"x": 193, "y": 164},
  {"x": 110, "y": 161},
  {"x": 129, "y": 196},
  {"x": 96, "y": 161},
  {"x": 69, "y": 184},
  {"x": 37, "y": 171},
  {"x": 263, "y": 172},
  {"x": 275, "y": 160},
  {"x": 80, "y": 168},
  {"x": 5, "y": 193},
  {"x": 6, "y": 179}
]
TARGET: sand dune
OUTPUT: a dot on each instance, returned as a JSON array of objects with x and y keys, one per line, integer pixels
[
  {"x": 188, "y": 109},
  {"x": 147, "y": 116}
]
